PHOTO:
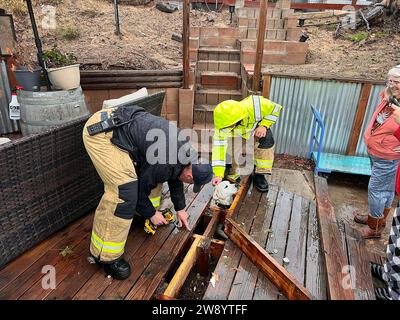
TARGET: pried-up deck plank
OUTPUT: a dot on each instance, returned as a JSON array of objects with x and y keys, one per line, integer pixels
[
  {"x": 228, "y": 263},
  {"x": 276, "y": 244},
  {"x": 247, "y": 274}
]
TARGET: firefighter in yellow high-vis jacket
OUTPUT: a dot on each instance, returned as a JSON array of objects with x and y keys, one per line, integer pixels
[{"x": 240, "y": 119}]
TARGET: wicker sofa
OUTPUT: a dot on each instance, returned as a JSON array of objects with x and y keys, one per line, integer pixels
[{"x": 47, "y": 180}]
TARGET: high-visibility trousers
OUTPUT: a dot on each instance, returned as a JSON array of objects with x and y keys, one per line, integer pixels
[
  {"x": 263, "y": 156},
  {"x": 113, "y": 216},
  {"x": 155, "y": 196}
]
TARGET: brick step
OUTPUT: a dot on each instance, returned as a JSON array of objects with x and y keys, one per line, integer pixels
[
  {"x": 215, "y": 96},
  {"x": 219, "y": 79},
  {"x": 219, "y": 65},
  {"x": 220, "y": 54},
  {"x": 280, "y": 57},
  {"x": 275, "y": 45}
]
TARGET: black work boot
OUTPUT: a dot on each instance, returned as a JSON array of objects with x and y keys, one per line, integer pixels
[
  {"x": 260, "y": 182},
  {"x": 119, "y": 269}
]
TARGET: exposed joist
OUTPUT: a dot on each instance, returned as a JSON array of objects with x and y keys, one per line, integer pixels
[{"x": 277, "y": 274}]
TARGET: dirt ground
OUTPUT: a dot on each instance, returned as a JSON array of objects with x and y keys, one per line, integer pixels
[{"x": 86, "y": 28}]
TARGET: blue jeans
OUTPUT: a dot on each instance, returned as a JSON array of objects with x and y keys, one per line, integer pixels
[{"x": 381, "y": 185}]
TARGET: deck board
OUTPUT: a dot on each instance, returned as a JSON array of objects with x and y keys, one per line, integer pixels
[
  {"x": 149, "y": 281},
  {"x": 30, "y": 276},
  {"x": 229, "y": 261},
  {"x": 246, "y": 277},
  {"x": 297, "y": 238},
  {"x": 289, "y": 229},
  {"x": 76, "y": 278},
  {"x": 315, "y": 265},
  {"x": 17, "y": 266},
  {"x": 357, "y": 253}
]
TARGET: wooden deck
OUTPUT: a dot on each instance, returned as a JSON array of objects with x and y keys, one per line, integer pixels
[
  {"x": 286, "y": 225},
  {"x": 151, "y": 257}
]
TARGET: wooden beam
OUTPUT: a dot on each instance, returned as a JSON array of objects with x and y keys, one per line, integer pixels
[
  {"x": 266, "y": 86},
  {"x": 260, "y": 45},
  {"x": 183, "y": 271},
  {"x": 212, "y": 225},
  {"x": 335, "y": 258},
  {"x": 216, "y": 247},
  {"x": 186, "y": 44},
  {"x": 276, "y": 273},
  {"x": 244, "y": 187},
  {"x": 128, "y": 73},
  {"x": 359, "y": 119},
  {"x": 203, "y": 256}
]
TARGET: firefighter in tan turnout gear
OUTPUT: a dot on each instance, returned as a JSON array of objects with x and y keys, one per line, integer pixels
[
  {"x": 240, "y": 119},
  {"x": 134, "y": 152}
]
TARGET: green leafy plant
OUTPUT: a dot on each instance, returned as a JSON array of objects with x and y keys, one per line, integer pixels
[
  {"x": 356, "y": 37},
  {"x": 54, "y": 58}
]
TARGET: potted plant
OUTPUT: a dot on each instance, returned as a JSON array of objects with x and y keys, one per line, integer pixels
[
  {"x": 26, "y": 69},
  {"x": 62, "y": 69}
]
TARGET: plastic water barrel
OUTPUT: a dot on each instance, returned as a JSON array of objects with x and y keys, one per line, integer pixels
[{"x": 41, "y": 111}]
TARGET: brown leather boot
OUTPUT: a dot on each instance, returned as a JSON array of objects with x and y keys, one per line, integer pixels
[
  {"x": 360, "y": 218},
  {"x": 363, "y": 218},
  {"x": 374, "y": 228}
]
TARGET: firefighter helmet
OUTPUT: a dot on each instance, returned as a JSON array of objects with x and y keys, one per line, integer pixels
[{"x": 227, "y": 113}]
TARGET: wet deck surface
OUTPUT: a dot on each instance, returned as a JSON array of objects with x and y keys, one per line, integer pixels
[
  {"x": 68, "y": 250},
  {"x": 285, "y": 224}
]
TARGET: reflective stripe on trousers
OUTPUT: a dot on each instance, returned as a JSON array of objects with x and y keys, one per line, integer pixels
[{"x": 113, "y": 216}]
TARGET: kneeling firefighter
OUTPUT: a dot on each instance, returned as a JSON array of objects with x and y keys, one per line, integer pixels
[
  {"x": 240, "y": 119},
  {"x": 134, "y": 152}
]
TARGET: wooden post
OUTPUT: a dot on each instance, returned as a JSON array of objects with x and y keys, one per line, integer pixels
[
  {"x": 266, "y": 86},
  {"x": 186, "y": 44},
  {"x": 277, "y": 274},
  {"x": 203, "y": 256},
  {"x": 359, "y": 118},
  {"x": 260, "y": 45}
]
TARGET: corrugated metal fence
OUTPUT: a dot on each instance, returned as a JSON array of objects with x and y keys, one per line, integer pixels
[
  {"x": 6, "y": 125},
  {"x": 336, "y": 100}
]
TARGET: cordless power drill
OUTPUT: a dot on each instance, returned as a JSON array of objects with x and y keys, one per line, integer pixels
[{"x": 150, "y": 227}]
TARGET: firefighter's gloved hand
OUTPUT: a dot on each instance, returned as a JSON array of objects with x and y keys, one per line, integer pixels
[
  {"x": 182, "y": 216},
  {"x": 260, "y": 132},
  {"x": 267, "y": 141},
  {"x": 158, "y": 219},
  {"x": 216, "y": 180}
]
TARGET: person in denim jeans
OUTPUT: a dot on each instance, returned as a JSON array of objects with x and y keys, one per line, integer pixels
[{"x": 384, "y": 151}]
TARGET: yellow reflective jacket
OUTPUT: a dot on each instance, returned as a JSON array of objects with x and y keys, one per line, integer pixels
[{"x": 256, "y": 111}]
